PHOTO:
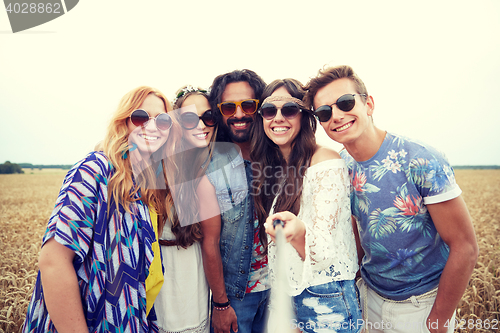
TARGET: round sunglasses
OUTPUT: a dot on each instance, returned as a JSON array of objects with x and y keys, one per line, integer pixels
[
  {"x": 344, "y": 103},
  {"x": 249, "y": 106},
  {"x": 141, "y": 118},
  {"x": 190, "y": 120},
  {"x": 289, "y": 110}
]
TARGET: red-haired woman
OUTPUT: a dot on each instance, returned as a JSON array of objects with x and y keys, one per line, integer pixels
[{"x": 100, "y": 268}]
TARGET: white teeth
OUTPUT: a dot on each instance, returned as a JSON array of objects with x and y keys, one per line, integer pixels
[
  {"x": 280, "y": 129},
  {"x": 346, "y": 126},
  {"x": 201, "y": 135},
  {"x": 147, "y": 137},
  {"x": 239, "y": 124}
]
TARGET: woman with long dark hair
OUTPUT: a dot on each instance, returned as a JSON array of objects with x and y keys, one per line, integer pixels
[
  {"x": 184, "y": 300},
  {"x": 307, "y": 188}
]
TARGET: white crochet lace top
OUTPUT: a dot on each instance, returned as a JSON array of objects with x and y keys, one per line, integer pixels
[{"x": 330, "y": 248}]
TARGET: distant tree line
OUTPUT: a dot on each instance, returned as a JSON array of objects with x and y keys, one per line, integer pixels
[
  {"x": 8, "y": 167},
  {"x": 476, "y": 167},
  {"x": 43, "y": 166}
]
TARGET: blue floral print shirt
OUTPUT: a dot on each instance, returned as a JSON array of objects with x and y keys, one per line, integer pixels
[{"x": 404, "y": 254}]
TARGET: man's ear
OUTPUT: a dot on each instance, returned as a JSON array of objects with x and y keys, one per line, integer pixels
[{"x": 370, "y": 103}]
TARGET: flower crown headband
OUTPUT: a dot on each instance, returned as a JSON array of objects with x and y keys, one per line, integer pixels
[{"x": 189, "y": 89}]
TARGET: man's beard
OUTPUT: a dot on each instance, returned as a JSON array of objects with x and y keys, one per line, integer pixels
[{"x": 238, "y": 136}]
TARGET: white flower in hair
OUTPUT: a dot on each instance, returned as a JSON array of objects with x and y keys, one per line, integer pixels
[{"x": 188, "y": 89}]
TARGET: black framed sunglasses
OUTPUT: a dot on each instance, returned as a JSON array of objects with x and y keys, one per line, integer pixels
[
  {"x": 190, "y": 120},
  {"x": 249, "y": 106},
  {"x": 344, "y": 103},
  {"x": 289, "y": 110},
  {"x": 139, "y": 117}
]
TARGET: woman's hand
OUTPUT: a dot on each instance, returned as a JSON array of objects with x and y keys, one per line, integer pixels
[{"x": 294, "y": 230}]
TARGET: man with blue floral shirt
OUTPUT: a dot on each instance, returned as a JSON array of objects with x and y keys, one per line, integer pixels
[{"x": 418, "y": 243}]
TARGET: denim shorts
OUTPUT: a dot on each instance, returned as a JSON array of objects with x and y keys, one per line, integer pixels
[{"x": 332, "y": 306}]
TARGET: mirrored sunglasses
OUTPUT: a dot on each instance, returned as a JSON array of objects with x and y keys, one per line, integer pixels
[
  {"x": 139, "y": 117},
  {"x": 344, "y": 103}
]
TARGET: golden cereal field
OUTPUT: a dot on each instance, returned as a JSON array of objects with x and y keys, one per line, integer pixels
[{"x": 26, "y": 201}]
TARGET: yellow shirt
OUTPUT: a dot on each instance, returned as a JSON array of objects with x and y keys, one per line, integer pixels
[{"x": 154, "y": 281}]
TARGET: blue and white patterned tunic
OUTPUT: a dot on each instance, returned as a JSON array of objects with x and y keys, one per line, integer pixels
[{"x": 112, "y": 252}]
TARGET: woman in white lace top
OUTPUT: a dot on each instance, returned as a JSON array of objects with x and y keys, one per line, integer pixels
[{"x": 307, "y": 187}]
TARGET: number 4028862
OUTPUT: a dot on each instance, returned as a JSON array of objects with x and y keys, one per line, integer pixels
[
  {"x": 32, "y": 8},
  {"x": 463, "y": 324}
]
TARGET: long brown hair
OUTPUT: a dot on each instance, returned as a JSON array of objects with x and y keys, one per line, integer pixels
[
  {"x": 191, "y": 165},
  {"x": 219, "y": 86},
  {"x": 272, "y": 172}
]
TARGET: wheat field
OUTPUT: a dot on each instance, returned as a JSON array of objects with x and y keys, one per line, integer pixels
[{"x": 26, "y": 202}]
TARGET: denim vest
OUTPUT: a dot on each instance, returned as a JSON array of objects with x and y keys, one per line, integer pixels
[{"x": 232, "y": 178}]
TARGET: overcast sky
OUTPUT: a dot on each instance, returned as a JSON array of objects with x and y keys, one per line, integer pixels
[{"x": 432, "y": 67}]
